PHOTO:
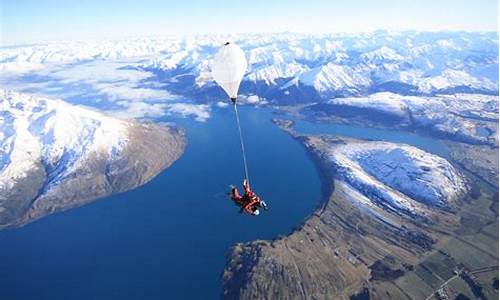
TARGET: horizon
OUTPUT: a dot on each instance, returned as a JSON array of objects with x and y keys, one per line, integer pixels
[
  {"x": 242, "y": 34},
  {"x": 28, "y": 22}
]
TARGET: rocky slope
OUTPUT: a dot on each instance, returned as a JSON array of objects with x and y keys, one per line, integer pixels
[
  {"x": 55, "y": 156},
  {"x": 370, "y": 227}
]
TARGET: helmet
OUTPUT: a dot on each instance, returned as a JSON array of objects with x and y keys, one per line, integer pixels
[{"x": 256, "y": 212}]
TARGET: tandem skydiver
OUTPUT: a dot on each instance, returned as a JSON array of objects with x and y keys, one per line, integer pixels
[{"x": 249, "y": 202}]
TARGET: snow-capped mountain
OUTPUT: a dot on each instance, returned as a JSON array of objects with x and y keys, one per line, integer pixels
[
  {"x": 288, "y": 67},
  {"x": 50, "y": 130},
  {"x": 466, "y": 117},
  {"x": 397, "y": 177},
  {"x": 335, "y": 78},
  {"x": 381, "y": 55},
  {"x": 386, "y": 179},
  {"x": 54, "y": 155}
]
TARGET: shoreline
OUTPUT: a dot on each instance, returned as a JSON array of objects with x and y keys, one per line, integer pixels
[
  {"x": 134, "y": 168},
  {"x": 252, "y": 268}
]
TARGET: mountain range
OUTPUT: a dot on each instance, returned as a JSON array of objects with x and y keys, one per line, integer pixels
[{"x": 290, "y": 68}]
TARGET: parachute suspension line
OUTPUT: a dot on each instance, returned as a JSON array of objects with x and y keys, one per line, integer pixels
[{"x": 242, "y": 143}]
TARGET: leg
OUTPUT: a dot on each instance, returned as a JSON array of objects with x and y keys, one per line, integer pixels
[
  {"x": 264, "y": 205},
  {"x": 235, "y": 194}
]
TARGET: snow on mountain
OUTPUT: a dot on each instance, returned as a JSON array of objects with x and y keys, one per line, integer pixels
[
  {"x": 333, "y": 77},
  {"x": 381, "y": 55},
  {"x": 49, "y": 130},
  {"x": 396, "y": 176},
  {"x": 467, "y": 117},
  {"x": 347, "y": 64},
  {"x": 449, "y": 78},
  {"x": 55, "y": 156},
  {"x": 269, "y": 73},
  {"x": 386, "y": 102}
]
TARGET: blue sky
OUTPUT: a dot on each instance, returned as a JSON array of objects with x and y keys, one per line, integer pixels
[{"x": 30, "y": 20}]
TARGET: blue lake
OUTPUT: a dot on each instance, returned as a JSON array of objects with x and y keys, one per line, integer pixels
[{"x": 168, "y": 238}]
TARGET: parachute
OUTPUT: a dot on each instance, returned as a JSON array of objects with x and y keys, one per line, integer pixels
[{"x": 228, "y": 69}]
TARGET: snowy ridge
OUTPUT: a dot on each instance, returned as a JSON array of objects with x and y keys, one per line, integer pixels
[
  {"x": 333, "y": 77},
  {"x": 269, "y": 73},
  {"x": 356, "y": 64},
  {"x": 469, "y": 117},
  {"x": 381, "y": 55},
  {"x": 54, "y": 133},
  {"x": 396, "y": 176},
  {"x": 449, "y": 78}
]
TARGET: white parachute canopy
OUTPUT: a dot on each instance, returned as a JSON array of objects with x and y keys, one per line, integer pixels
[{"x": 229, "y": 67}]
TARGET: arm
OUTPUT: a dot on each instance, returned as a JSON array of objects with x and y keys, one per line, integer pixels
[{"x": 246, "y": 187}]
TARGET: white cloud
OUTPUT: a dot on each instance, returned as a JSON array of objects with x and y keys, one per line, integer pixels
[
  {"x": 93, "y": 77},
  {"x": 19, "y": 67},
  {"x": 140, "y": 110},
  {"x": 96, "y": 82},
  {"x": 110, "y": 79},
  {"x": 123, "y": 91},
  {"x": 201, "y": 112},
  {"x": 97, "y": 71},
  {"x": 222, "y": 104},
  {"x": 253, "y": 100}
]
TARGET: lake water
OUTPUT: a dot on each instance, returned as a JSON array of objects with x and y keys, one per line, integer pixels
[{"x": 168, "y": 238}]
